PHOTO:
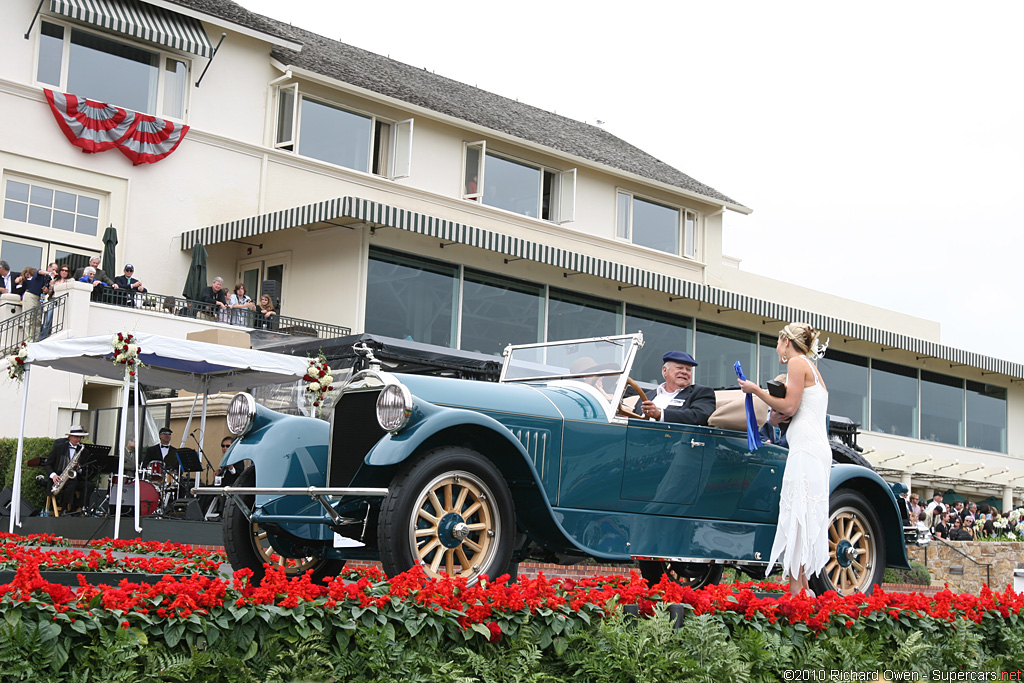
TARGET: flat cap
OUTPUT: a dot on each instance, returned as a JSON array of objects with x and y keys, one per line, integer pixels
[{"x": 679, "y": 357}]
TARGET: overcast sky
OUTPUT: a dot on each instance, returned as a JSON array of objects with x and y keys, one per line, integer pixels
[{"x": 880, "y": 144}]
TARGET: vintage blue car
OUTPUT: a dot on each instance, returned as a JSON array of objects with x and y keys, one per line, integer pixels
[{"x": 469, "y": 478}]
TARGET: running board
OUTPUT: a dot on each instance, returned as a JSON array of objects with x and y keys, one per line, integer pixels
[
  {"x": 698, "y": 560},
  {"x": 318, "y": 493}
]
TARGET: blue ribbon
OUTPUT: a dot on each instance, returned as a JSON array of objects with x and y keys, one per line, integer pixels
[{"x": 753, "y": 434}]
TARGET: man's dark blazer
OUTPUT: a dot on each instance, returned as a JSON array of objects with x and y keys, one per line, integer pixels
[
  {"x": 153, "y": 453},
  {"x": 698, "y": 402},
  {"x": 57, "y": 460}
]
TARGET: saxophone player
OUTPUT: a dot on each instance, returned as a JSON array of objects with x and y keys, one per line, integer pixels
[{"x": 64, "y": 450}]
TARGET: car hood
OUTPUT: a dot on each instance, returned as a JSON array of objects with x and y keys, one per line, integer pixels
[{"x": 541, "y": 400}]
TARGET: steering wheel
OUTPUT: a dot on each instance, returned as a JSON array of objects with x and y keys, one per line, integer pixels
[{"x": 623, "y": 410}]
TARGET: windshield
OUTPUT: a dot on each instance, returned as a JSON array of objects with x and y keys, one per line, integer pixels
[{"x": 598, "y": 357}]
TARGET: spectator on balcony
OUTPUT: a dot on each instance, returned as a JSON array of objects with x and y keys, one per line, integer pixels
[
  {"x": 98, "y": 273},
  {"x": 63, "y": 275},
  {"x": 6, "y": 278},
  {"x": 242, "y": 307},
  {"x": 34, "y": 285},
  {"x": 265, "y": 314},
  {"x": 89, "y": 278},
  {"x": 216, "y": 300},
  {"x": 128, "y": 286}
]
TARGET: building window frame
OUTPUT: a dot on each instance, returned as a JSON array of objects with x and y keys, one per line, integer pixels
[
  {"x": 15, "y": 225},
  {"x": 167, "y": 98},
  {"x": 389, "y": 149},
  {"x": 687, "y": 227},
  {"x": 559, "y": 185}
]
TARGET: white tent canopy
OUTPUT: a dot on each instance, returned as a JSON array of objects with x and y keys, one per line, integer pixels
[{"x": 193, "y": 366}]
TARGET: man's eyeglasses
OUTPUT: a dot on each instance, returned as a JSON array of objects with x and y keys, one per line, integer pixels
[{"x": 225, "y": 445}]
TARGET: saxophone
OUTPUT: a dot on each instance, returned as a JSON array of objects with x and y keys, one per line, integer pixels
[{"x": 68, "y": 473}]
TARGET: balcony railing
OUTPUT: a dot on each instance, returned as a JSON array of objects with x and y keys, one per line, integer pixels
[
  {"x": 172, "y": 305},
  {"x": 33, "y": 325}
]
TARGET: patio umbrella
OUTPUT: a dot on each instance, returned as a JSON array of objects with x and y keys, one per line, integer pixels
[
  {"x": 992, "y": 502},
  {"x": 951, "y": 496},
  {"x": 195, "y": 283},
  {"x": 109, "y": 257}
]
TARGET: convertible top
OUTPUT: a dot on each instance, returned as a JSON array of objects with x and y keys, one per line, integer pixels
[{"x": 399, "y": 355}]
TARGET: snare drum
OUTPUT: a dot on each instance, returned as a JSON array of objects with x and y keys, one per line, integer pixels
[{"x": 154, "y": 472}]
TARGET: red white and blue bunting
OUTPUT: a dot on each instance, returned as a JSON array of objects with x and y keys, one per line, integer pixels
[{"x": 96, "y": 127}]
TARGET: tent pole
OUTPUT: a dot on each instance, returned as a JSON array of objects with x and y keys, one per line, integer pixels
[
  {"x": 188, "y": 423},
  {"x": 120, "y": 460},
  {"x": 16, "y": 494},
  {"x": 202, "y": 425},
  {"x": 138, "y": 494}
]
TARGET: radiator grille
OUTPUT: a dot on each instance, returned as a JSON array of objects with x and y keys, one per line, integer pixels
[{"x": 354, "y": 431}]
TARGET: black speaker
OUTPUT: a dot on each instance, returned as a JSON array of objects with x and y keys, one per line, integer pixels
[
  {"x": 188, "y": 508},
  {"x": 5, "y": 504}
]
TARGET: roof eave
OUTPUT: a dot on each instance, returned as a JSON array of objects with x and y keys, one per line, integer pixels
[
  {"x": 522, "y": 142},
  {"x": 225, "y": 23}
]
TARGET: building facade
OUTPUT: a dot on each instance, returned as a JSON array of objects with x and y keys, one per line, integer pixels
[{"x": 387, "y": 199}]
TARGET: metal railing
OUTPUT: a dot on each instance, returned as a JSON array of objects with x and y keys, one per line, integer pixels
[
  {"x": 188, "y": 308},
  {"x": 988, "y": 567},
  {"x": 33, "y": 325}
]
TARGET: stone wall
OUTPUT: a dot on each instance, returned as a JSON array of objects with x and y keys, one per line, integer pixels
[{"x": 993, "y": 563}]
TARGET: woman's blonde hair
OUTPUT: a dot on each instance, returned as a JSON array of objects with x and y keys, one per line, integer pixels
[{"x": 803, "y": 337}]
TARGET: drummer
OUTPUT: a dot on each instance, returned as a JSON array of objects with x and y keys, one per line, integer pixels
[{"x": 163, "y": 451}]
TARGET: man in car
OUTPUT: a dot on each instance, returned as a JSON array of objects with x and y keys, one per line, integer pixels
[{"x": 678, "y": 399}]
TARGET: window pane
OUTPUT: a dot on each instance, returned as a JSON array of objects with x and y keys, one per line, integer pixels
[
  {"x": 175, "y": 80},
  {"x": 663, "y": 332},
  {"x": 893, "y": 399},
  {"x": 622, "y": 220},
  {"x": 86, "y": 225},
  {"x": 51, "y": 48},
  {"x": 769, "y": 366},
  {"x": 63, "y": 220},
  {"x": 578, "y": 316},
  {"x": 65, "y": 201},
  {"x": 846, "y": 377},
  {"x": 472, "y": 178},
  {"x": 41, "y": 196},
  {"x": 717, "y": 349},
  {"x": 17, "y": 191},
  {"x": 88, "y": 206},
  {"x": 942, "y": 408},
  {"x": 112, "y": 72},
  {"x": 71, "y": 259},
  {"x": 335, "y": 135},
  {"x": 15, "y": 211},
  {"x": 21, "y": 256},
  {"x": 411, "y": 298},
  {"x": 655, "y": 226},
  {"x": 285, "y": 114},
  {"x": 512, "y": 186},
  {"x": 39, "y": 216},
  {"x": 497, "y": 311},
  {"x": 986, "y": 417},
  {"x": 690, "y": 241}
]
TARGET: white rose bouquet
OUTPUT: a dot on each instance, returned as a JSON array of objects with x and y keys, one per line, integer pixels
[
  {"x": 16, "y": 362},
  {"x": 318, "y": 380},
  {"x": 126, "y": 352}
]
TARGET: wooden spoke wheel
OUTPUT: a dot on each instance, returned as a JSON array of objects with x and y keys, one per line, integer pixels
[
  {"x": 451, "y": 513},
  {"x": 856, "y": 547}
]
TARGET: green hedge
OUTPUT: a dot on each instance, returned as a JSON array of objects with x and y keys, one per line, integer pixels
[{"x": 38, "y": 447}]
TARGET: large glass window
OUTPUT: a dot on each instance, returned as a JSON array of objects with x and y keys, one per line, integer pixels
[
  {"x": 656, "y": 226},
  {"x": 893, "y": 399},
  {"x": 846, "y": 377},
  {"x": 111, "y": 71},
  {"x": 717, "y": 350},
  {"x": 578, "y": 316},
  {"x": 50, "y": 207},
  {"x": 411, "y": 298},
  {"x": 498, "y": 311},
  {"x": 768, "y": 366},
  {"x": 663, "y": 332},
  {"x": 942, "y": 408},
  {"x": 518, "y": 186},
  {"x": 335, "y": 135},
  {"x": 986, "y": 417}
]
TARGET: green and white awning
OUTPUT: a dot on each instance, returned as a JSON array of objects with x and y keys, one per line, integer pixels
[
  {"x": 374, "y": 213},
  {"x": 139, "y": 20}
]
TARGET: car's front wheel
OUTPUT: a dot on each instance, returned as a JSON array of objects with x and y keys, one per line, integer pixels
[
  {"x": 692, "y": 574},
  {"x": 247, "y": 545},
  {"x": 856, "y": 547},
  {"x": 449, "y": 512}
]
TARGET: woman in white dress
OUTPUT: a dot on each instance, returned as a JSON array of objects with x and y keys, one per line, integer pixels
[{"x": 801, "y": 538}]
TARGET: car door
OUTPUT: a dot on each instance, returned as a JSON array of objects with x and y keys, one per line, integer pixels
[{"x": 663, "y": 466}]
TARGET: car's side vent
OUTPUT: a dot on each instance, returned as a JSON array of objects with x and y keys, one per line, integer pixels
[
  {"x": 354, "y": 431},
  {"x": 535, "y": 441}
]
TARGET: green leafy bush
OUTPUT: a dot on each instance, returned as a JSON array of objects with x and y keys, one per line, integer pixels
[
  {"x": 917, "y": 575},
  {"x": 38, "y": 447}
]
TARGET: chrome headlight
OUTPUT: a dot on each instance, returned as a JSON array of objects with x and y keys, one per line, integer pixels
[
  {"x": 241, "y": 413},
  {"x": 394, "y": 407}
]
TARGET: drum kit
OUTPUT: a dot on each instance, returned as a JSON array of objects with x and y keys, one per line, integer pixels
[{"x": 158, "y": 488}]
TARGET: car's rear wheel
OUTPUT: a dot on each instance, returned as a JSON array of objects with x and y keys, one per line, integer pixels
[
  {"x": 451, "y": 513},
  {"x": 856, "y": 547},
  {"x": 247, "y": 545},
  {"x": 693, "y": 574}
]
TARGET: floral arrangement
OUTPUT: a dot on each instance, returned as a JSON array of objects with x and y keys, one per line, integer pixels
[
  {"x": 319, "y": 380},
  {"x": 126, "y": 352},
  {"x": 16, "y": 362}
]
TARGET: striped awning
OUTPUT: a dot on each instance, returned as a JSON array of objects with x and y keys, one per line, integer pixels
[
  {"x": 139, "y": 20},
  {"x": 375, "y": 213}
]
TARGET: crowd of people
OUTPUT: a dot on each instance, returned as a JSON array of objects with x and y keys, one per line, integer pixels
[
  {"x": 957, "y": 522},
  {"x": 34, "y": 286}
]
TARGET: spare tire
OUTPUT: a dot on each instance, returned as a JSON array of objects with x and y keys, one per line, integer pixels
[{"x": 844, "y": 455}]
